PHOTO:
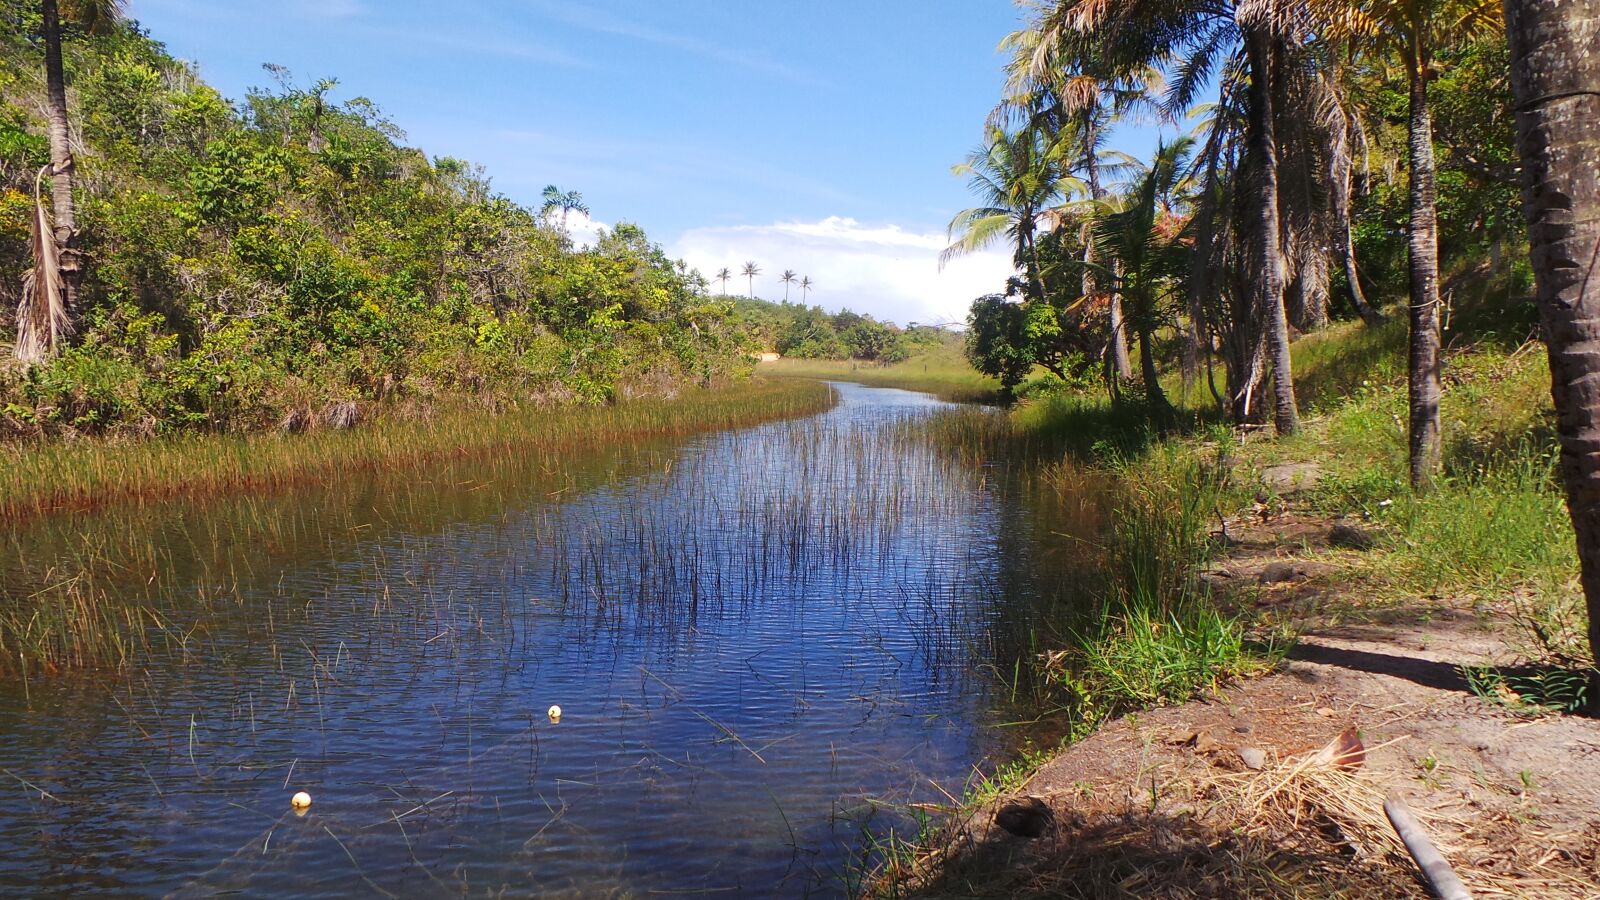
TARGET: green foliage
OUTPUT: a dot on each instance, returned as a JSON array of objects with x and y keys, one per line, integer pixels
[
  {"x": 808, "y": 332},
  {"x": 249, "y": 263}
]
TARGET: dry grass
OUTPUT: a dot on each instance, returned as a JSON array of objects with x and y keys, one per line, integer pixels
[{"x": 1308, "y": 825}]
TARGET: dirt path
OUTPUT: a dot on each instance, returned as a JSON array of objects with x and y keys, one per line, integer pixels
[{"x": 1228, "y": 796}]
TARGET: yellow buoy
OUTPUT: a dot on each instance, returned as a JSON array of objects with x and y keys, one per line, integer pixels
[
  {"x": 555, "y": 713},
  {"x": 301, "y": 801}
]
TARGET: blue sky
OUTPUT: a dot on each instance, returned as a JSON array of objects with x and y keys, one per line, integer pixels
[{"x": 812, "y": 136}]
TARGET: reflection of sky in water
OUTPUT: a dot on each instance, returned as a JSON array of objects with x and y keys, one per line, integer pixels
[{"x": 759, "y": 648}]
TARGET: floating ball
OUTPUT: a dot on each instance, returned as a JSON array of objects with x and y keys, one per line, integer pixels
[
  {"x": 301, "y": 800},
  {"x": 555, "y": 713}
]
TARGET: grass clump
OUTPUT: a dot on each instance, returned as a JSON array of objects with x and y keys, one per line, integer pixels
[{"x": 1157, "y": 636}]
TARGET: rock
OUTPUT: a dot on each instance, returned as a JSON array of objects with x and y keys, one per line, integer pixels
[
  {"x": 1290, "y": 478},
  {"x": 1028, "y": 817},
  {"x": 1279, "y": 573},
  {"x": 1349, "y": 537},
  {"x": 1253, "y": 758}
]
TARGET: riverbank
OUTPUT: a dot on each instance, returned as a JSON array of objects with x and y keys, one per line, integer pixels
[
  {"x": 1444, "y": 631},
  {"x": 92, "y": 526},
  {"x": 55, "y": 476}
]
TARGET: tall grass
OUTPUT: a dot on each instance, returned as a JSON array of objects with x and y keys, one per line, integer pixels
[
  {"x": 73, "y": 578},
  {"x": 56, "y": 476}
]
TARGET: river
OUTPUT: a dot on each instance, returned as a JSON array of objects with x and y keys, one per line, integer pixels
[{"x": 770, "y": 646}]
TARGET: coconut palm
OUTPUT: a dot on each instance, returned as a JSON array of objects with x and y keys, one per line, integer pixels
[
  {"x": 1415, "y": 28},
  {"x": 1199, "y": 38},
  {"x": 1555, "y": 77},
  {"x": 1017, "y": 175},
  {"x": 1136, "y": 237},
  {"x": 49, "y": 308},
  {"x": 750, "y": 271},
  {"x": 1077, "y": 106},
  {"x": 787, "y": 278},
  {"x": 723, "y": 274},
  {"x": 806, "y": 284}
]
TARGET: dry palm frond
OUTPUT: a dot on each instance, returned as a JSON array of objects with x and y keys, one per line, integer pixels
[{"x": 42, "y": 320}]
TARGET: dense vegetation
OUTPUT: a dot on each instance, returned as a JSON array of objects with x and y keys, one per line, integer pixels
[
  {"x": 288, "y": 259},
  {"x": 1349, "y": 162},
  {"x": 809, "y": 332},
  {"x": 1299, "y": 195}
]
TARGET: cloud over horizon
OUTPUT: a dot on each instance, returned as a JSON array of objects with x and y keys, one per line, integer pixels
[{"x": 884, "y": 270}]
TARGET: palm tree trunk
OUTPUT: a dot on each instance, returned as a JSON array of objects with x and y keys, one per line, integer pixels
[
  {"x": 1352, "y": 277},
  {"x": 68, "y": 258},
  {"x": 1270, "y": 287},
  {"x": 1555, "y": 78},
  {"x": 1121, "y": 368},
  {"x": 1160, "y": 407},
  {"x": 1423, "y": 385}
]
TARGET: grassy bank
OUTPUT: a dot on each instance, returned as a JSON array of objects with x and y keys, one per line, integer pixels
[
  {"x": 1491, "y": 537},
  {"x": 942, "y": 371},
  {"x": 54, "y": 476},
  {"x": 71, "y": 604}
]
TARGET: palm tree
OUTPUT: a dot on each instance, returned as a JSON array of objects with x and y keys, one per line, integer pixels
[
  {"x": 49, "y": 307},
  {"x": 750, "y": 271},
  {"x": 567, "y": 201},
  {"x": 723, "y": 275},
  {"x": 1136, "y": 236},
  {"x": 1555, "y": 77},
  {"x": 1415, "y": 28},
  {"x": 1077, "y": 107},
  {"x": 1017, "y": 175},
  {"x": 787, "y": 278},
  {"x": 1199, "y": 37},
  {"x": 806, "y": 284}
]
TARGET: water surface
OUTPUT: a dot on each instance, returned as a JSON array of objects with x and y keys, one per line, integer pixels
[{"x": 769, "y": 645}]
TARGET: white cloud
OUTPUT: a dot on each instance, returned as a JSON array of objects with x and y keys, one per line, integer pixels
[
  {"x": 584, "y": 231},
  {"x": 884, "y": 270}
]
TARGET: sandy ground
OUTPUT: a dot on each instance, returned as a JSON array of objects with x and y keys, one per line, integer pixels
[{"x": 1163, "y": 803}]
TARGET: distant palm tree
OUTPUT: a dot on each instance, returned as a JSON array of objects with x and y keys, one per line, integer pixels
[
  {"x": 750, "y": 271},
  {"x": 806, "y": 284},
  {"x": 568, "y": 202},
  {"x": 723, "y": 274},
  {"x": 788, "y": 277}
]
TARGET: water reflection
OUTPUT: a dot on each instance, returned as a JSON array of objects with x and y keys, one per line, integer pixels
[{"x": 762, "y": 641}]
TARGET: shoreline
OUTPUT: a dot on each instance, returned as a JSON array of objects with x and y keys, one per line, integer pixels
[
  {"x": 1237, "y": 793},
  {"x": 61, "y": 477}
]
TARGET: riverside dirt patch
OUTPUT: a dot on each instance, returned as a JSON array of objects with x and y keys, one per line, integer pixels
[{"x": 1225, "y": 796}]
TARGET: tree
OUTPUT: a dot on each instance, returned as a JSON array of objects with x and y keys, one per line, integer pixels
[
  {"x": 1555, "y": 77},
  {"x": 787, "y": 278},
  {"x": 49, "y": 309},
  {"x": 750, "y": 271},
  {"x": 723, "y": 274},
  {"x": 1197, "y": 38},
  {"x": 1416, "y": 28},
  {"x": 567, "y": 201},
  {"x": 1064, "y": 96},
  {"x": 1016, "y": 175},
  {"x": 1136, "y": 236},
  {"x": 806, "y": 284}
]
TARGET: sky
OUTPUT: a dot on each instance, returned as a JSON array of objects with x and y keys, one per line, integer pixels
[{"x": 811, "y": 136}]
